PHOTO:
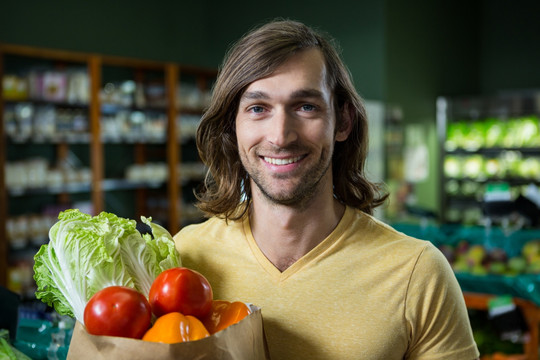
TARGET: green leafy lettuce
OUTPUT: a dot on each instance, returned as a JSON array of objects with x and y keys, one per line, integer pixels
[{"x": 86, "y": 254}]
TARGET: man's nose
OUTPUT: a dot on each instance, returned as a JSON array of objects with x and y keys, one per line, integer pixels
[{"x": 283, "y": 128}]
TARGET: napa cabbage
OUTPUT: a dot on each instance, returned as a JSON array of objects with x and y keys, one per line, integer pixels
[{"x": 88, "y": 253}]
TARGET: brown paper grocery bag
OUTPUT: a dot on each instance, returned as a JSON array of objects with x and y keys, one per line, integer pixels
[{"x": 242, "y": 341}]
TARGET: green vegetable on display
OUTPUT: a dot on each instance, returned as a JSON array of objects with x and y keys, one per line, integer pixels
[
  {"x": 86, "y": 254},
  {"x": 8, "y": 351},
  {"x": 492, "y": 132}
]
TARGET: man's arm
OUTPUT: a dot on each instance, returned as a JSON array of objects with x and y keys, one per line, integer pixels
[{"x": 437, "y": 312}]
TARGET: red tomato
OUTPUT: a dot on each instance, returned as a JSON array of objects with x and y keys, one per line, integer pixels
[
  {"x": 118, "y": 311},
  {"x": 181, "y": 290}
]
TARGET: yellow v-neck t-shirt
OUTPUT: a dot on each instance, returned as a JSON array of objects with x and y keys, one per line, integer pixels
[{"x": 365, "y": 292}]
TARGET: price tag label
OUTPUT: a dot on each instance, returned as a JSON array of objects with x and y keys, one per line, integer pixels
[
  {"x": 507, "y": 319},
  {"x": 500, "y": 305},
  {"x": 497, "y": 192}
]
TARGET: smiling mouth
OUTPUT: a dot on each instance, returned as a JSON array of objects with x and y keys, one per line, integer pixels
[{"x": 286, "y": 161}]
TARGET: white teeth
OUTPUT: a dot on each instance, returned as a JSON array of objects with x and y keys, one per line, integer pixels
[{"x": 287, "y": 161}]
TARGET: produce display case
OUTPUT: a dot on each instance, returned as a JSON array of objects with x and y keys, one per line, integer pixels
[
  {"x": 489, "y": 201},
  {"x": 488, "y": 260},
  {"x": 491, "y": 262},
  {"x": 486, "y": 140}
]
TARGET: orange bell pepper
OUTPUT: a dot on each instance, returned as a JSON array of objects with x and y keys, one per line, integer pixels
[
  {"x": 224, "y": 314},
  {"x": 174, "y": 328}
]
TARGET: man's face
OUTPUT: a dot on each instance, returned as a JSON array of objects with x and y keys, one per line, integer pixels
[{"x": 285, "y": 127}]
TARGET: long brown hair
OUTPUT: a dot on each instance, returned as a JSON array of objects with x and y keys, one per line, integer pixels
[{"x": 226, "y": 191}]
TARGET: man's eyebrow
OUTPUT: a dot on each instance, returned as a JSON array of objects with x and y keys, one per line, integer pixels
[
  {"x": 254, "y": 95},
  {"x": 307, "y": 93},
  {"x": 298, "y": 94}
]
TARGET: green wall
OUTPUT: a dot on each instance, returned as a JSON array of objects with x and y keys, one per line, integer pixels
[
  {"x": 160, "y": 30},
  {"x": 193, "y": 32},
  {"x": 510, "y": 33},
  {"x": 358, "y": 26}
]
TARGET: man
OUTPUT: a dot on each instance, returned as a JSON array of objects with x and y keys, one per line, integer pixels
[{"x": 285, "y": 141}]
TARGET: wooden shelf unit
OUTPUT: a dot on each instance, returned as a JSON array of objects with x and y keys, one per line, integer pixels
[{"x": 94, "y": 64}]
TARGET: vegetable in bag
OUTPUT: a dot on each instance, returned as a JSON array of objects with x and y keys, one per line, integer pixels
[{"x": 86, "y": 254}]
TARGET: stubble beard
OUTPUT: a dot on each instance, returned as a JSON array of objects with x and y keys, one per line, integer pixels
[{"x": 301, "y": 195}]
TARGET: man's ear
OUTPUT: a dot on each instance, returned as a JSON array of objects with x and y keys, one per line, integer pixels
[{"x": 346, "y": 122}]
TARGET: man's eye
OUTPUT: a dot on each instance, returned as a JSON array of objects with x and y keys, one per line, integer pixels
[
  {"x": 256, "y": 109},
  {"x": 307, "y": 107}
]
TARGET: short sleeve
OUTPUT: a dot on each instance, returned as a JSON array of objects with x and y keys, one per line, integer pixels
[{"x": 439, "y": 326}]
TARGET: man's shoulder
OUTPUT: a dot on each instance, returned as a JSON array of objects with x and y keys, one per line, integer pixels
[
  {"x": 210, "y": 228},
  {"x": 381, "y": 232}
]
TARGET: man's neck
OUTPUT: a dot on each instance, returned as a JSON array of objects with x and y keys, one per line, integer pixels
[{"x": 285, "y": 234}]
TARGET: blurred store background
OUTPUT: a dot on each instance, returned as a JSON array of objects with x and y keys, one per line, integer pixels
[{"x": 100, "y": 102}]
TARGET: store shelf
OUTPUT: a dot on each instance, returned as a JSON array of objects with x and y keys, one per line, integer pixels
[
  {"x": 483, "y": 140},
  {"x": 88, "y": 122},
  {"x": 107, "y": 185},
  {"x": 55, "y": 190},
  {"x": 53, "y": 140},
  {"x": 495, "y": 151}
]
